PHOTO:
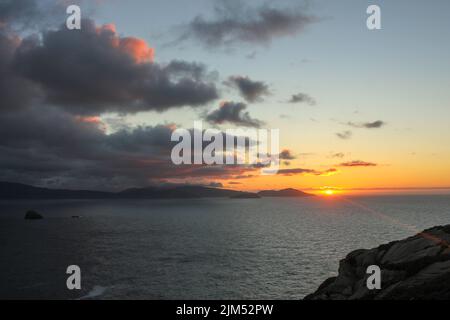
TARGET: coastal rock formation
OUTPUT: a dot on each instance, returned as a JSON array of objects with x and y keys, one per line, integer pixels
[
  {"x": 33, "y": 215},
  {"x": 416, "y": 268}
]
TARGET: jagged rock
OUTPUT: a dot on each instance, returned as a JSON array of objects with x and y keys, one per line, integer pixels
[
  {"x": 33, "y": 215},
  {"x": 414, "y": 268}
]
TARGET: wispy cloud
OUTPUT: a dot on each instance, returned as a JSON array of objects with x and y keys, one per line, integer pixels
[
  {"x": 338, "y": 155},
  {"x": 358, "y": 163},
  {"x": 286, "y": 154},
  {"x": 302, "y": 171},
  {"x": 233, "y": 112},
  {"x": 302, "y": 98},
  {"x": 345, "y": 135},
  {"x": 250, "y": 90},
  {"x": 367, "y": 125},
  {"x": 235, "y": 22}
]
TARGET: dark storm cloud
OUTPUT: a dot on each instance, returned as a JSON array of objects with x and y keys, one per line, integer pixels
[
  {"x": 368, "y": 125},
  {"x": 234, "y": 113},
  {"x": 54, "y": 86},
  {"x": 94, "y": 71},
  {"x": 345, "y": 135},
  {"x": 49, "y": 147},
  {"x": 358, "y": 163},
  {"x": 16, "y": 92},
  {"x": 235, "y": 22},
  {"x": 31, "y": 15},
  {"x": 302, "y": 98},
  {"x": 17, "y": 11},
  {"x": 250, "y": 90},
  {"x": 49, "y": 130}
]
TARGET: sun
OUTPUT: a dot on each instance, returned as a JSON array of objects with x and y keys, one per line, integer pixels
[{"x": 329, "y": 191}]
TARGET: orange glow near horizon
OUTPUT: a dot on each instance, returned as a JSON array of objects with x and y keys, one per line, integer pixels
[
  {"x": 383, "y": 179},
  {"x": 330, "y": 186}
]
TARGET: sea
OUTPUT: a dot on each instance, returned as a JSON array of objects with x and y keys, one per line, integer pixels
[{"x": 268, "y": 248}]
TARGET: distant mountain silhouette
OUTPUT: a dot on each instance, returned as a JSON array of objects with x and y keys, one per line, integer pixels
[
  {"x": 178, "y": 192},
  {"x": 9, "y": 190},
  {"x": 246, "y": 195},
  {"x": 284, "y": 193}
]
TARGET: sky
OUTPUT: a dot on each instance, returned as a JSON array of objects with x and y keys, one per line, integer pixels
[{"x": 358, "y": 110}]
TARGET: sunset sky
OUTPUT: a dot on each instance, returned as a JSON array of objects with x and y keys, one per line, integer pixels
[{"x": 358, "y": 110}]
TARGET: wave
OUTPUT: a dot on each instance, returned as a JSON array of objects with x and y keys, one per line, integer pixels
[{"x": 95, "y": 292}]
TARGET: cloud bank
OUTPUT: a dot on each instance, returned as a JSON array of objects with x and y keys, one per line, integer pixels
[
  {"x": 94, "y": 70},
  {"x": 56, "y": 86}
]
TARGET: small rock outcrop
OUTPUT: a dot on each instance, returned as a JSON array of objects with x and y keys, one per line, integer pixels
[
  {"x": 33, "y": 215},
  {"x": 416, "y": 268}
]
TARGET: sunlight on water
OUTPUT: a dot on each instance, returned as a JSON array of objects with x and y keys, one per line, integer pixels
[{"x": 198, "y": 249}]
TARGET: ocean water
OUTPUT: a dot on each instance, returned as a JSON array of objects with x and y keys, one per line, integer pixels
[{"x": 271, "y": 248}]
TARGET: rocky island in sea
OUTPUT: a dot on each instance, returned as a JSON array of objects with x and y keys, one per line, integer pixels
[
  {"x": 416, "y": 268},
  {"x": 289, "y": 192}
]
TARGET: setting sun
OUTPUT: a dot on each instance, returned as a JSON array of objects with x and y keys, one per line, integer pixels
[{"x": 329, "y": 192}]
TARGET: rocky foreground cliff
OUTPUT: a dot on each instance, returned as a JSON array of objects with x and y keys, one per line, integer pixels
[{"x": 416, "y": 268}]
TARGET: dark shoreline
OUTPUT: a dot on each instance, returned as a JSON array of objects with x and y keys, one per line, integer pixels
[{"x": 415, "y": 268}]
